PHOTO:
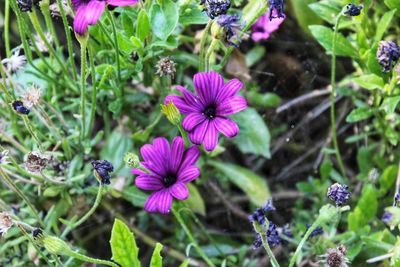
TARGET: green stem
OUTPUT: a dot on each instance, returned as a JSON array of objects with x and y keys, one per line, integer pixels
[
  {"x": 7, "y": 28},
  {"x": 301, "y": 244},
  {"x": 88, "y": 214},
  {"x": 266, "y": 246},
  {"x": 191, "y": 238},
  {"x": 111, "y": 17},
  {"x": 44, "y": 7},
  {"x": 83, "y": 88},
  {"x": 69, "y": 39},
  {"x": 332, "y": 98},
  {"x": 8, "y": 180},
  {"x": 85, "y": 258},
  {"x": 210, "y": 50},
  {"x": 203, "y": 44},
  {"x": 29, "y": 126},
  {"x": 94, "y": 91}
]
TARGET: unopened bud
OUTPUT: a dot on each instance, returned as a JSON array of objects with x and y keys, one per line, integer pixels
[
  {"x": 131, "y": 160},
  {"x": 172, "y": 113}
]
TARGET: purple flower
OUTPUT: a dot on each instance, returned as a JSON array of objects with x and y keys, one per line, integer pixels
[
  {"x": 388, "y": 53},
  {"x": 264, "y": 27},
  {"x": 260, "y": 213},
  {"x": 232, "y": 28},
  {"x": 276, "y": 9},
  {"x": 206, "y": 113},
  {"x": 169, "y": 169},
  {"x": 88, "y": 12}
]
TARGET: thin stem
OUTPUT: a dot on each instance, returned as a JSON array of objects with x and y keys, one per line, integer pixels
[
  {"x": 111, "y": 17},
  {"x": 301, "y": 244},
  {"x": 209, "y": 52},
  {"x": 203, "y": 44},
  {"x": 29, "y": 126},
  {"x": 10, "y": 183},
  {"x": 83, "y": 88},
  {"x": 85, "y": 258},
  {"x": 191, "y": 238},
  {"x": 7, "y": 28},
  {"x": 265, "y": 243},
  {"x": 88, "y": 214},
  {"x": 332, "y": 98},
  {"x": 44, "y": 7},
  {"x": 94, "y": 91},
  {"x": 69, "y": 39}
]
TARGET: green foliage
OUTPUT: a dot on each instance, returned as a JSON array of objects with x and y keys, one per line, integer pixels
[
  {"x": 164, "y": 18},
  {"x": 156, "y": 259}
]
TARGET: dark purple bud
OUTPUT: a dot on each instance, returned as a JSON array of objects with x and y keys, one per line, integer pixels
[
  {"x": 25, "y": 5},
  {"x": 215, "y": 8},
  {"x": 103, "y": 169},
  {"x": 276, "y": 9},
  {"x": 317, "y": 231},
  {"x": 353, "y": 10},
  {"x": 388, "y": 53},
  {"x": 20, "y": 108},
  {"x": 339, "y": 194},
  {"x": 387, "y": 217}
]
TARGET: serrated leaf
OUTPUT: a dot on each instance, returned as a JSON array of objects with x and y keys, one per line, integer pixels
[
  {"x": 123, "y": 245},
  {"x": 324, "y": 36},
  {"x": 252, "y": 184},
  {"x": 164, "y": 18},
  {"x": 156, "y": 259},
  {"x": 254, "y": 136}
]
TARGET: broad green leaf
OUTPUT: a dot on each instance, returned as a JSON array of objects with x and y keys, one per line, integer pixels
[
  {"x": 142, "y": 25},
  {"x": 156, "y": 259},
  {"x": 252, "y": 9},
  {"x": 389, "y": 104},
  {"x": 253, "y": 185},
  {"x": 164, "y": 18},
  {"x": 387, "y": 179},
  {"x": 384, "y": 24},
  {"x": 370, "y": 81},
  {"x": 366, "y": 208},
  {"x": 393, "y": 4},
  {"x": 134, "y": 195},
  {"x": 123, "y": 245},
  {"x": 325, "y": 10},
  {"x": 195, "y": 200},
  {"x": 254, "y": 136},
  {"x": 255, "y": 55},
  {"x": 304, "y": 15},
  {"x": 124, "y": 43},
  {"x": 359, "y": 114},
  {"x": 266, "y": 100},
  {"x": 324, "y": 36}
]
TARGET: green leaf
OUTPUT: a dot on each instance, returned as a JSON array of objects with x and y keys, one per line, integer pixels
[
  {"x": 185, "y": 263},
  {"x": 389, "y": 104},
  {"x": 142, "y": 25},
  {"x": 164, "y": 18},
  {"x": 393, "y": 4},
  {"x": 384, "y": 24},
  {"x": 134, "y": 195},
  {"x": 266, "y": 100},
  {"x": 124, "y": 43},
  {"x": 254, "y": 136},
  {"x": 366, "y": 208},
  {"x": 253, "y": 185},
  {"x": 195, "y": 200},
  {"x": 324, "y": 36},
  {"x": 304, "y": 15},
  {"x": 387, "y": 179},
  {"x": 123, "y": 245},
  {"x": 325, "y": 10},
  {"x": 370, "y": 81},
  {"x": 156, "y": 259},
  {"x": 359, "y": 114}
]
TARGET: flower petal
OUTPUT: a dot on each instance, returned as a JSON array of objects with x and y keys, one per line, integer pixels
[
  {"x": 192, "y": 120},
  {"x": 207, "y": 85},
  {"x": 153, "y": 160},
  {"x": 198, "y": 133},
  {"x": 165, "y": 201},
  {"x": 211, "y": 137},
  {"x": 180, "y": 103},
  {"x": 231, "y": 106},
  {"x": 121, "y": 2},
  {"x": 151, "y": 204},
  {"x": 136, "y": 171},
  {"x": 226, "y": 126},
  {"x": 190, "y": 157},
  {"x": 94, "y": 10},
  {"x": 149, "y": 182},
  {"x": 190, "y": 98},
  {"x": 231, "y": 88},
  {"x": 80, "y": 22},
  {"x": 179, "y": 191},
  {"x": 177, "y": 150},
  {"x": 188, "y": 174}
]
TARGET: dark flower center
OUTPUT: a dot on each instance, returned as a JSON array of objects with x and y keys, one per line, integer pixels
[
  {"x": 169, "y": 180},
  {"x": 210, "y": 111}
]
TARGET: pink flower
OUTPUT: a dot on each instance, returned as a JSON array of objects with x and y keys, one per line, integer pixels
[
  {"x": 264, "y": 26},
  {"x": 88, "y": 12},
  {"x": 169, "y": 169},
  {"x": 206, "y": 112}
]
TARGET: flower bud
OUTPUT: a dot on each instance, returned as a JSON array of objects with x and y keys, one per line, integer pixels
[
  {"x": 56, "y": 246},
  {"x": 172, "y": 113},
  {"x": 328, "y": 213},
  {"x": 131, "y": 160}
]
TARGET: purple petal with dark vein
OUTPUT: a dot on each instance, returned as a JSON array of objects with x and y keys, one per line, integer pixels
[
  {"x": 179, "y": 191},
  {"x": 192, "y": 120},
  {"x": 226, "y": 126},
  {"x": 180, "y": 103},
  {"x": 198, "y": 133},
  {"x": 149, "y": 182},
  {"x": 230, "y": 89},
  {"x": 177, "y": 150},
  {"x": 190, "y": 157},
  {"x": 231, "y": 106},
  {"x": 211, "y": 137},
  {"x": 188, "y": 174}
]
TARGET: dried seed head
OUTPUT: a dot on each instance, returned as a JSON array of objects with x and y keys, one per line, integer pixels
[
  {"x": 32, "y": 96},
  {"x": 215, "y": 8},
  {"x": 25, "y": 5},
  {"x": 55, "y": 10},
  {"x": 336, "y": 257},
  {"x": 40, "y": 43},
  {"x": 15, "y": 62},
  {"x": 36, "y": 162},
  {"x": 6, "y": 222},
  {"x": 166, "y": 67}
]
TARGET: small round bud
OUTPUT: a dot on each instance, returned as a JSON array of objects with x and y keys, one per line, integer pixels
[{"x": 131, "y": 160}]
